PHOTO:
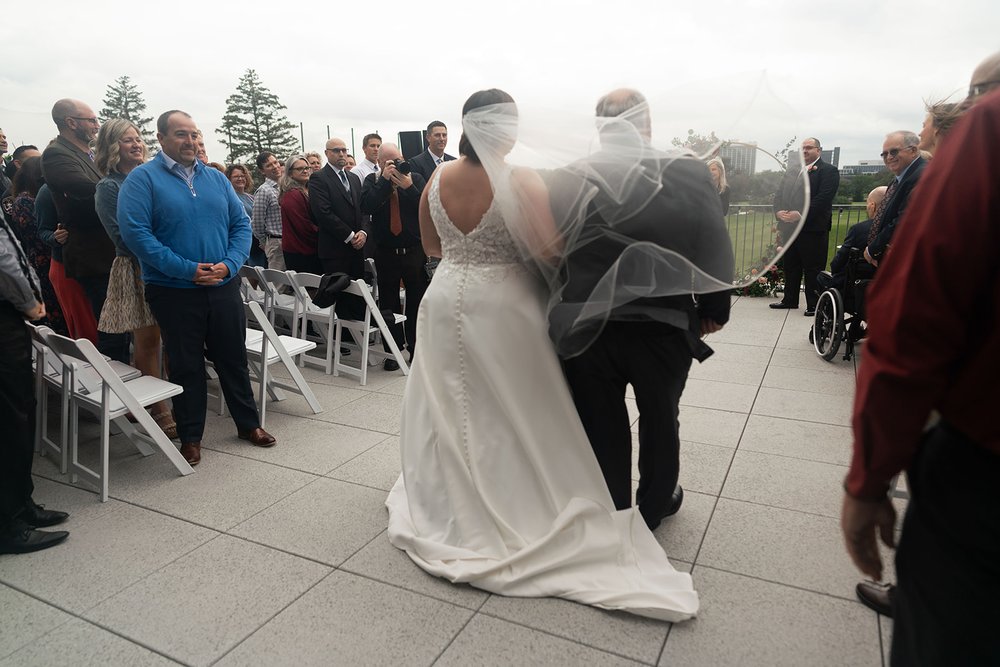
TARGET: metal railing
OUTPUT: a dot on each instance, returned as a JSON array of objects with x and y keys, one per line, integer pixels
[{"x": 753, "y": 231}]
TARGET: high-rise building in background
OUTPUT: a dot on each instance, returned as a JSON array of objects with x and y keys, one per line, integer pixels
[
  {"x": 740, "y": 158},
  {"x": 832, "y": 156}
]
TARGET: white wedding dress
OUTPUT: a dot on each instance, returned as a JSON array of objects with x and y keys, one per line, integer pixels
[{"x": 499, "y": 486}]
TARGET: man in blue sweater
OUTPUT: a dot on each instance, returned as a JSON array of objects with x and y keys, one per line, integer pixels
[{"x": 190, "y": 232}]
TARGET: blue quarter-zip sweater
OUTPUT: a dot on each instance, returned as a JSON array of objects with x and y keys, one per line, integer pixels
[{"x": 171, "y": 226}]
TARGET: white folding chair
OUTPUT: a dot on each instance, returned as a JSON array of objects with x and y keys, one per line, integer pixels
[
  {"x": 266, "y": 348},
  {"x": 323, "y": 319},
  {"x": 362, "y": 330},
  {"x": 280, "y": 302},
  {"x": 105, "y": 394},
  {"x": 250, "y": 288},
  {"x": 50, "y": 376}
]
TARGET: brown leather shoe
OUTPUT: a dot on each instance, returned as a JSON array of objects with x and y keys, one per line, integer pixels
[
  {"x": 258, "y": 437},
  {"x": 191, "y": 451},
  {"x": 877, "y": 597}
]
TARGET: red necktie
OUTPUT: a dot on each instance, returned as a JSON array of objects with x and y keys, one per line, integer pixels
[{"x": 395, "y": 222}]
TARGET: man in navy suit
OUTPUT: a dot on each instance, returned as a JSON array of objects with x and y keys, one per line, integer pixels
[
  {"x": 902, "y": 157},
  {"x": 856, "y": 239},
  {"x": 807, "y": 255},
  {"x": 437, "y": 138}
]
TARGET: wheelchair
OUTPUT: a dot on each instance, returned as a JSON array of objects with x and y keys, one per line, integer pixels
[{"x": 840, "y": 312}]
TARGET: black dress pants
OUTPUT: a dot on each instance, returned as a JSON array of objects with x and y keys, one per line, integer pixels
[
  {"x": 197, "y": 323},
  {"x": 114, "y": 345},
  {"x": 948, "y": 562},
  {"x": 806, "y": 257},
  {"x": 17, "y": 414},
  {"x": 655, "y": 359},
  {"x": 407, "y": 267}
]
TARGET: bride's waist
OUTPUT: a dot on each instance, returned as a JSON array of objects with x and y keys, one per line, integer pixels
[{"x": 481, "y": 272}]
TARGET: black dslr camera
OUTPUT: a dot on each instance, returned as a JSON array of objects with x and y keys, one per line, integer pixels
[{"x": 402, "y": 166}]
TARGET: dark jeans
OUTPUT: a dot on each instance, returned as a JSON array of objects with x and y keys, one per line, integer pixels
[
  {"x": 948, "y": 562},
  {"x": 655, "y": 359},
  {"x": 408, "y": 268},
  {"x": 197, "y": 323},
  {"x": 17, "y": 414},
  {"x": 114, "y": 345},
  {"x": 806, "y": 257}
]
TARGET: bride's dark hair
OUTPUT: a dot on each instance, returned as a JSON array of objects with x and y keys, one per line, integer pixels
[{"x": 477, "y": 100}]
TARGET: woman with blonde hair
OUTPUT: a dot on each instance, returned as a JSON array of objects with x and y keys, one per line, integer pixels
[
  {"x": 118, "y": 150},
  {"x": 299, "y": 234},
  {"x": 718, "y": 171}
]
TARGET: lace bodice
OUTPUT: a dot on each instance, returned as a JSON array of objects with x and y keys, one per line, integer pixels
[{"x": 488, "y": 244}]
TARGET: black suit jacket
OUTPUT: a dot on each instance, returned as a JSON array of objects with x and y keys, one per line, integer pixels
[
  {"x": 337, "y": 213},
  {"x": 824, "y": 181},
  {"x": 857, "y": 237},
  {"x": 683, "y": 216},
  {"x": 375, "y": 202},
  {"x": 72, "y": 178},
  {"x": 424, "y": 164},
  {"x": 894, "y": 209}
]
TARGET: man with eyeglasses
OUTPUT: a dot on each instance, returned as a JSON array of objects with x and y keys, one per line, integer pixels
[
  {"x": 68, "y": 166},
  {"x": 985, "y": 78},
  {"x": 335, "y": 204},
  {"x": 902, "y": 157}
]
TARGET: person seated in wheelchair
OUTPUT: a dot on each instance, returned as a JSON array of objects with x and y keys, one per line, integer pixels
[{"x": 856, "y": 240}]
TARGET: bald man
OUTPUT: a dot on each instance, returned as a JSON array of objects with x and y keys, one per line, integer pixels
[
  {"x": 857, "y": 238},
  {"x": 69, "y": 170},
  {"x": 986, "y": 77},
  {"x": 335, "y": 204}
]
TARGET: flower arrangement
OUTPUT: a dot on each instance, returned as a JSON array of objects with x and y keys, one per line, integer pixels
[{"x": 767, "y": 280}]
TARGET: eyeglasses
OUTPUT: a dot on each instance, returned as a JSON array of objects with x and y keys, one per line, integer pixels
[
  {"x": 300, "y": 169},
  {"x": 894, "y": 151},
  {"x": 336, "y": 150},
  {"x": 92, "y": 120},
  {"x": 977, "y": 89}
]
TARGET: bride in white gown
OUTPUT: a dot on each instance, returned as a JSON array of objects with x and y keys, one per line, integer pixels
[{"x": 499, "y": 485}]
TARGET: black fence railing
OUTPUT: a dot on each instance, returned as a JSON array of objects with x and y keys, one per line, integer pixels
[{"x": 753, "y": 231}]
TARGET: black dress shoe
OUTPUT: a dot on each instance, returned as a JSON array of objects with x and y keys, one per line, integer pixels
[
  {"x": 777, "y": 305},
  {"x": 20, "y": 538},
  {"x": 37, "y": 516},
  {"x": 810, "y": 312},
  {"x": 877, "y": 597},
  {"x": 390, "y": 365},
  {"x": 675, "y": 504}
]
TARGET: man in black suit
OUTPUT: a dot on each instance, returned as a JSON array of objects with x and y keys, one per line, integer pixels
[
  {"x": 807, "y": 254},
  {"x": 392, "y": 198},
  {"x": 902, "y": 157},
  {"x": 856, "y": 239},
  {"x": 335, "y": 204},
  {"x": 648, "y": 341},
  {"x": 437, "y": 138}
]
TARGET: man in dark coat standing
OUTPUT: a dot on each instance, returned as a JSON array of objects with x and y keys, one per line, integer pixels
[{"x": 807, "y": 255}]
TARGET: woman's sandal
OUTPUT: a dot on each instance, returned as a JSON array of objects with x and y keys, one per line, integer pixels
[{"x": 165, "y": 420}]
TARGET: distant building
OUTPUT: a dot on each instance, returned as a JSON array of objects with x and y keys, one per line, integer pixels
[
  {"x": 740, "y": 158},
  {"x": 832, "y": 157},
  {"x": 863, "y": 168}
]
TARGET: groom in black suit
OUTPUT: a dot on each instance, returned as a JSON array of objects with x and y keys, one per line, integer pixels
[
  {"x": 647, "y": 342},
  {"x": 807, "y": 254},
  {"x": 437, "y": 138},
  {"x": 335, "y": 204}
]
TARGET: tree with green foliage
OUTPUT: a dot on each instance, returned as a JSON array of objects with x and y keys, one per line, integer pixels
[
  {"x": 122, "y": 99},
  {"x": 254, "y": 123}
]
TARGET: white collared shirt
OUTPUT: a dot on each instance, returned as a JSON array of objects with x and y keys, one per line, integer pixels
[{"x": 364, "y": 168}]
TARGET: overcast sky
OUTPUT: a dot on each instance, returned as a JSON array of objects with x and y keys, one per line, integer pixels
[{"x": 846, "y": 71}]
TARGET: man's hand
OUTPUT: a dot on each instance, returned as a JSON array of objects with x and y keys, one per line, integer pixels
[
  {"x": 36, "y": 313},
  {"x": 358, "y": 242},
  {"x": 61, "y": 233},
  {"x": 868, "y": 258},
  {"x": 709, "y": 326},
  {"x": 392, "y": 174},
  {"x": 788, "y": 216},
  {"x": 210, "y": 274},
  {"x": 859, "y": 519}
]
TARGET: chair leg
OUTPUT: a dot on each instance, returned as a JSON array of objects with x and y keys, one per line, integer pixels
[{"x": 105, "y": 446}]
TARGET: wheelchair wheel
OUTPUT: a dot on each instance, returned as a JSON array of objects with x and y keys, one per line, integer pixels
[{"x": 828, "y": 327}]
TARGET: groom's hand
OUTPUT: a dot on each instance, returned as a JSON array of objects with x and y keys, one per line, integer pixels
[{"x": 709, "y": 326}]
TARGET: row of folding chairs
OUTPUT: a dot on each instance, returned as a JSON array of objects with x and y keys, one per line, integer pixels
[
  {"x": 286, "y": 299},
  {"x": 83, "y": 378}
]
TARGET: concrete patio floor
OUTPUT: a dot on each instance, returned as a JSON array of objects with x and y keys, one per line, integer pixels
[{"x": 280, "y": 557}]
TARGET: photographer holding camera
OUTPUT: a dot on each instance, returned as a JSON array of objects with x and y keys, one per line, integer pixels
[{"x": 392, "y": 198}]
